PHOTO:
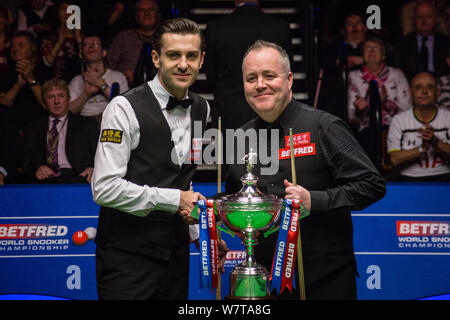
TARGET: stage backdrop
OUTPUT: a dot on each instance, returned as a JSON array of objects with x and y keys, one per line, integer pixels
[{"x": 402, "y": 243}]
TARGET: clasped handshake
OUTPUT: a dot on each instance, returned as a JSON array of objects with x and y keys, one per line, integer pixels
[{"x": 188, "y": 200}]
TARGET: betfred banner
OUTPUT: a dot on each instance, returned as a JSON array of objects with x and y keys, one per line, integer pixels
[
  {"x": 47, "y": 236},
  {"x": 423, "y": 234}
]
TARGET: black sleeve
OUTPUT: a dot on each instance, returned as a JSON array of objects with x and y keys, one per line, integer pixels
[{"x": 359, "y": 184}]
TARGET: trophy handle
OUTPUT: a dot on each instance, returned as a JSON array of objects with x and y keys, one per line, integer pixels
[
  {"x": 221, "y": 227},
  {"x": 270, "y": 231}
]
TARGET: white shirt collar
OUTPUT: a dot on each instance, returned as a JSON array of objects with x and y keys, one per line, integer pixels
[{"x": 161, "y": 94}]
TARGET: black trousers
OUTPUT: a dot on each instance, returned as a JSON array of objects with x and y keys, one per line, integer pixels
[{"x": 128, "y": 276}]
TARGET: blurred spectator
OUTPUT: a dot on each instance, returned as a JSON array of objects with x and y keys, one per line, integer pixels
[
  {"x": 13, "y": 8},
  {"x": 337, "y": 58},
  {"x": 60, "y": 147},
  {"x": 128, "y": 45},
  {"x": 91, "y": 91},
  {"x": 20, "y": 89},
  {"x": 5, "y": 30},
  {"x": 121, "y": 17},
  {"x": 424, "y": 49},
  {"x": 37, "y": 16},
  {"x": 419, "y": 138},
  {"x": 407, "y": 16},
  {"x": 60, "y": 50},
  {"x": 227, "y": 40},
  {"x": 350, "y": 54},
  {"x": 11, "y": 151},
  {"x": 392, "y": 88},
  {"x": 444, "y": 91}
]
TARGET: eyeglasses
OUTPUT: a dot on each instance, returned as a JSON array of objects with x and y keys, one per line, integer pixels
[
  {"x": 372, "y": 48},
  {"x": 92, "y": 44}
]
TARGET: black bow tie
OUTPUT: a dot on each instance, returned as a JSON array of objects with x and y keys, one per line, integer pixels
[{"x": 173, "y": 102}]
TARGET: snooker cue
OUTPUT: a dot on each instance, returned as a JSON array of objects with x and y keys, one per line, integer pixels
[
  {"x": 301, "y": 276},
  {"x": 219, "y": 190}
]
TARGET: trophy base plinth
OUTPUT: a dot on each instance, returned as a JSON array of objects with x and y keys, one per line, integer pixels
[{"x": 249, "y": 283}]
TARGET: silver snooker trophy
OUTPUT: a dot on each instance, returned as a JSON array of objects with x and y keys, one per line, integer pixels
[{"x": 248, "y": 213}]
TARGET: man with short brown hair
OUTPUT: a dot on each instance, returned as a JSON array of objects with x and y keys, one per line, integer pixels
[{"x": 143, "y": 174}]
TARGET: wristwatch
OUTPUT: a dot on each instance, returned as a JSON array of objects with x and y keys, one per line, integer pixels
[
  {"x": 103, "y": 87},
  {"x": 421, "y": 150},
  {"x": 32, "y": 83}
]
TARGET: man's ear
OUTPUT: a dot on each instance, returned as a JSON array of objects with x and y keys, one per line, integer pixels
[
  {"x": 155, "y": 58},
  {"x": 202, "y": 59},
  {"x": 290, "y": 79}
]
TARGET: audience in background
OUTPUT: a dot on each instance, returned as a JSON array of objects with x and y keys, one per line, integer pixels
[
  {"x": 20, "y": 86},
  {"x": 419, "y": 138},
  {"x": 444, "y": 92},
  {"x": 424, "y": 50},
  {"x": 11, "y": 152},
  {"x": 61, "y": 49},
  {"x": 127, "y": 46},
  {"x": 390, "y": 86},
  {"x": 36, "y": 45},
  {"x": 227, "y": 40},
  {"x": 337, "y": 58},
  {"x": 60, "y": 147},
  {"x": 350, "y": 54},
  {"x": 90, "y": 91},
  {"x": 37, "y": 17},
  {"x": 407, "y": 16}
]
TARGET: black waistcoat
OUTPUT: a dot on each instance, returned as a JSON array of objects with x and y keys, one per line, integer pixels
[{"x": 160, "y": 233}]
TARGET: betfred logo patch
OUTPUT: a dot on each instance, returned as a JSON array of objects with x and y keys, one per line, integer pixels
[
  {"x": 423, "y": 228},
  {"x": 300, "y": 151},
  {"x": 21, "y": 231},
  {"x": 111, "y": 135}
]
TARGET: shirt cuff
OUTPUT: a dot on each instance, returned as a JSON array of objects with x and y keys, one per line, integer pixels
[
  {"x": 319, "y": 200},
  {"x": 168, "y": 199}
]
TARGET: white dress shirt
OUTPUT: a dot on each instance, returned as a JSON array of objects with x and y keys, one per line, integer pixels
[{"x": 109, "y": 188}]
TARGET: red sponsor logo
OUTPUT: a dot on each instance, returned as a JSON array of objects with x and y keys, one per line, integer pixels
[
  {"x": 299, "y": 138},
  {"x": 21, "y": 231},
  {"x": 300, "y": 151},
  {"x": 423, "y": 228},
  {"x": 236, "y": 255}
]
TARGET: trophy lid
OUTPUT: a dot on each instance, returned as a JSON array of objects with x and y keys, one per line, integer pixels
[{"x": 249, "y": 193}]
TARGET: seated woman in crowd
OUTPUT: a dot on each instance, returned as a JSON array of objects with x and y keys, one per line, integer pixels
[{"x": 393, "y": 91}]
